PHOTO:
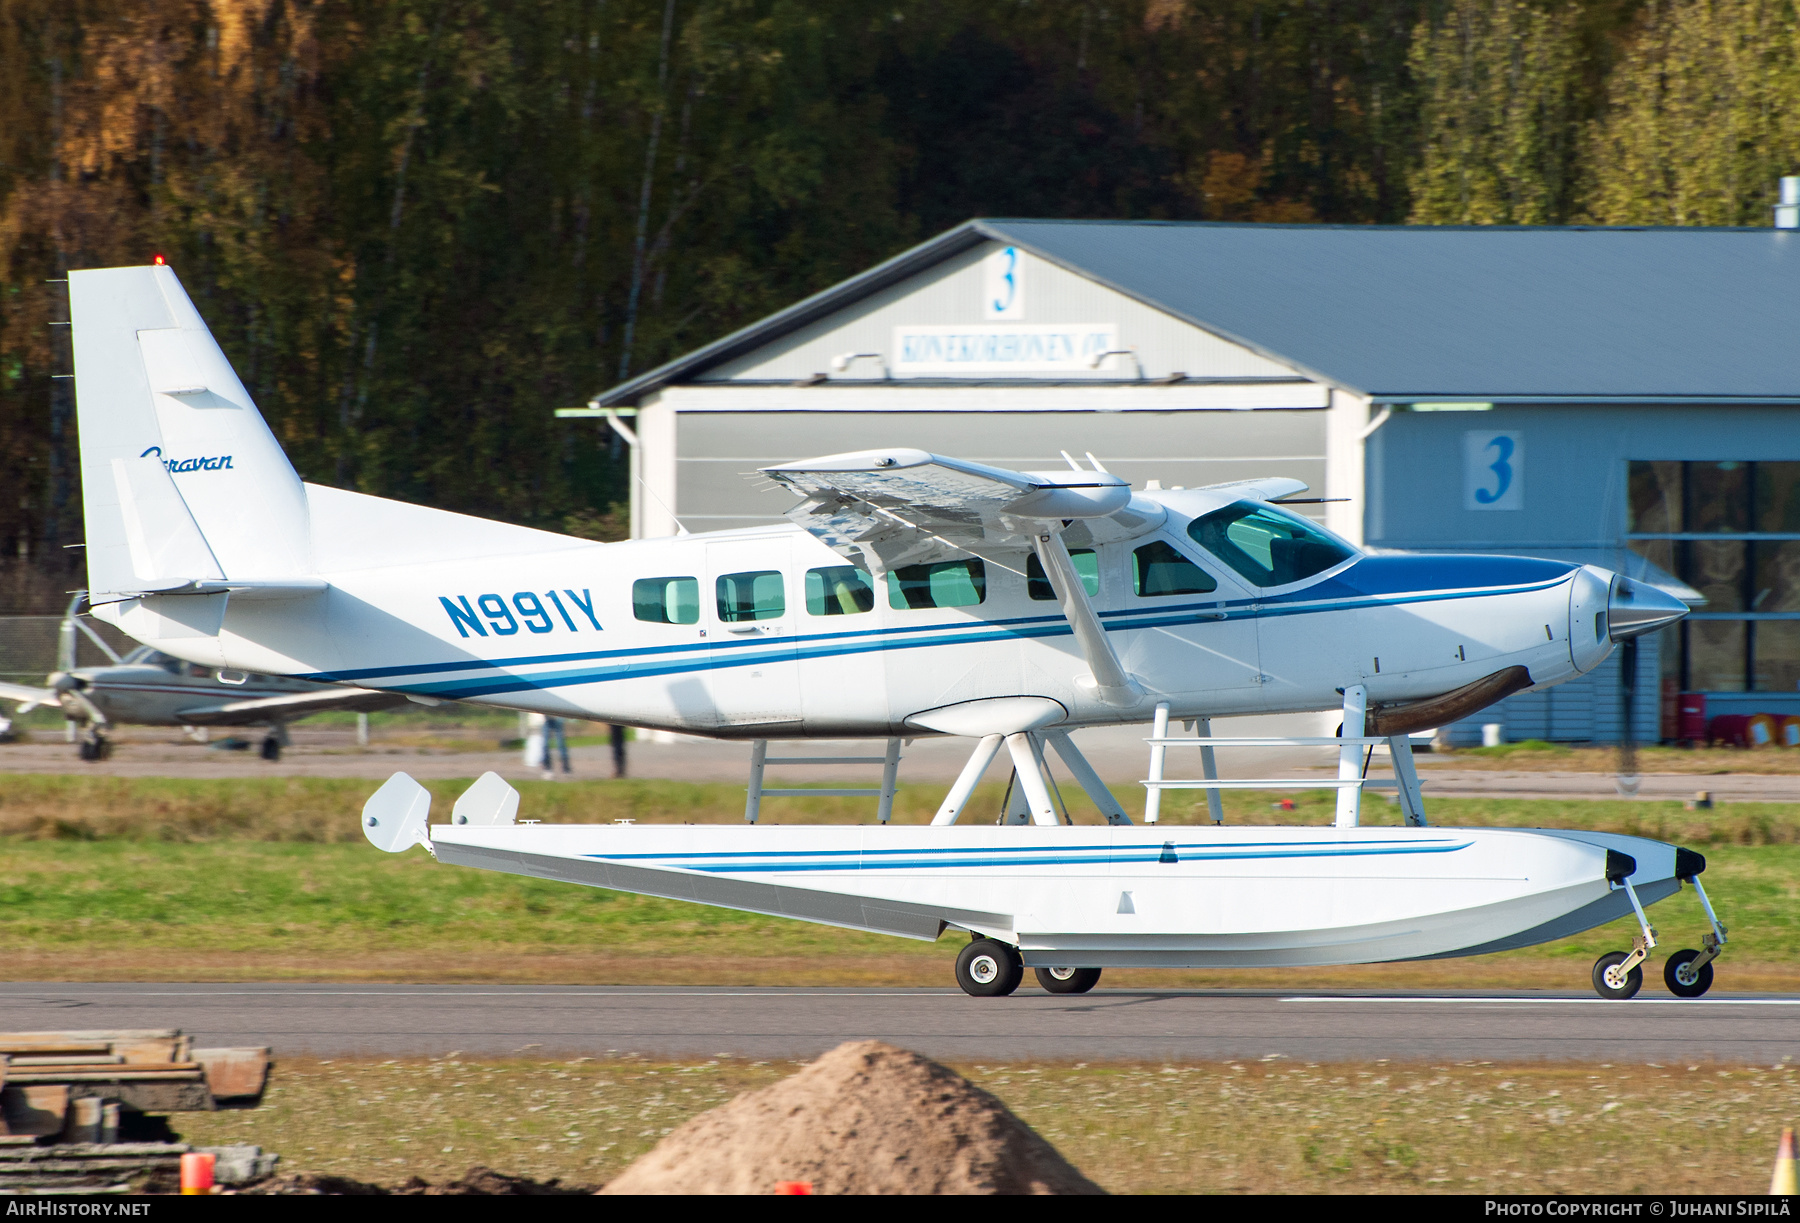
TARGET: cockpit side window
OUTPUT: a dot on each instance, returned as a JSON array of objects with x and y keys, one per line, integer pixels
[{"x": 1266, "y": 545}]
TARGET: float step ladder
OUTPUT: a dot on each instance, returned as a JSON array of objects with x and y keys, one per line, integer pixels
[
  {"x": 1351, "y": 781},
  {"x": 759, "y": 757}
]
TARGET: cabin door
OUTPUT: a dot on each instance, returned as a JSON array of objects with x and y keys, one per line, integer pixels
[{"x": 749, "y": 605}]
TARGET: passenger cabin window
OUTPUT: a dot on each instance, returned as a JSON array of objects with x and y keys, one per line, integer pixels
[
  {"x": 948, "y": 584},
  {"x": 840, "y": 590},
  {"x": 1266, "y": 545},
  {"x": 666, "y": 600},
  {"x": 1087, "y": 565},
  {"x": 1157, "y": 569},
  {"x": 750, "y": 596}
]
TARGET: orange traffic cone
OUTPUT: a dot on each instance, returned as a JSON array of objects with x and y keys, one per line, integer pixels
[{"x": 1784, "y": 1182}]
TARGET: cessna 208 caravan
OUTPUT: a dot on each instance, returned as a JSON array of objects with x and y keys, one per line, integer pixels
[{"x": 912, "y": 594}]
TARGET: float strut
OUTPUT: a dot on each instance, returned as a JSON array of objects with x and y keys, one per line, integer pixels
[
  {"x": 983, "y": 755},
  {"x": 1350, "y": 755}
]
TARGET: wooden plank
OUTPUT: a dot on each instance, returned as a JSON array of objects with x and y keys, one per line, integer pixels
[
  {"x": 34, "y": 1110},
  {"x": 94, "y": 1034},
  {"x": 235, "y": 1074},
  {"x": 182, "y": 1072},
  {"x": 33, "y": 1048},
  {"x": 68, "y": 1059}
]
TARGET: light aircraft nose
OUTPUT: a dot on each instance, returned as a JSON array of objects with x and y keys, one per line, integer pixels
[
  {"x": 62, "y": 681},
  {"x": 1637, "y": 607}
]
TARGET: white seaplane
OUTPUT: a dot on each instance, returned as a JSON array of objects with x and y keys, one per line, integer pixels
[{"x": 913, "y": 595}]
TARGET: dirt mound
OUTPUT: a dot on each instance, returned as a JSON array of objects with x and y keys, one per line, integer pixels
[
  {"x": 864, "y": 1118},
  {"x": 476, "y": 1182}
]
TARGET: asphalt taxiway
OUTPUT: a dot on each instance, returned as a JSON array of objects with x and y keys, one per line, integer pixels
[{"x": 1134, "y": 1025}]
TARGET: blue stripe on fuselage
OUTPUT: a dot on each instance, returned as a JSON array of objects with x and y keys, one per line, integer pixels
[{"x": 1371, "y": 582}]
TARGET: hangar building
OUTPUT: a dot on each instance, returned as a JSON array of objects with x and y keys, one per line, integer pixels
[{"x": 1626, "y": 397}]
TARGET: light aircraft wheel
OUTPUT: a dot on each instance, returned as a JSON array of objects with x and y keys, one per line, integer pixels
[
  {"x": 1068, "y": 980},
  {"x": 1605, "y": 985},
  {"x": 988, "y": 968},
  {"x": 1683, "y": 979},
  {"x": 271, "y": 748},
  {"x": 86, "y": 750}
]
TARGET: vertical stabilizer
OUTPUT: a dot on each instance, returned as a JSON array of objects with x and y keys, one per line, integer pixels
[{"x": 152, "y": 384}]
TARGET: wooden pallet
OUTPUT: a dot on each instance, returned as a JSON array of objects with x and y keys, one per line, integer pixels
[{"x": 78, "y": 1086}]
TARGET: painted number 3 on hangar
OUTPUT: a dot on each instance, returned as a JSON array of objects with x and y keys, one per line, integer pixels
[{"x": 1493, "y": 470}]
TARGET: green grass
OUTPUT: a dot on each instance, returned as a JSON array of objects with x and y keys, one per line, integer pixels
[
  {"x": 238, "y": 879},
  {"x": 1275, "y": 1127}
]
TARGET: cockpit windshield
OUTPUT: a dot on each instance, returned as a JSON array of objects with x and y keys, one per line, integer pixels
[
  {"x": 145, "y": 656},
  {"x": 1266, "y": 545}
]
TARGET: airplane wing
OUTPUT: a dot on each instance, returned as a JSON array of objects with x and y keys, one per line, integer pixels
[
  {"x": 28, "y": 698},
  {"x": 1269, "y": 488},
  {"x": 889, "y": 508},
  {"x": 298, "y": 705}
]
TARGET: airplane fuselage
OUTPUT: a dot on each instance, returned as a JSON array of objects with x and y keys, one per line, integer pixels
[{"x": 752, "y": 633}]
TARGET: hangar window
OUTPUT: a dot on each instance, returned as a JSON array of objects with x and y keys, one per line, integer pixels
[
  {"x": 947, "y": 584},
  {"x": 1087, "y": 567},
  {"x": 751, "y": 596},
  {"x": 840, "y": 590},
  {"x": 1268, "y": 545},
  {"x": 1158, "y": 569},
  {"x": 1730, "y": 530},
  {"x": 666, "y": 600}
]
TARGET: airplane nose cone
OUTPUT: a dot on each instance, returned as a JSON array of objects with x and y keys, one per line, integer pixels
[
  {"x": 1636, "y": 607},
  {"x": 62, "y": 681}
]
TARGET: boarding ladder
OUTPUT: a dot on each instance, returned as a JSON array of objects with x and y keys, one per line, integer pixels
[
  {"x": 1351, "y": 781},
  {"x": 759, "y": 756}
]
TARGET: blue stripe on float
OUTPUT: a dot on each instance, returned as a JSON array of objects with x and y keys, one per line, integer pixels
[{"x": 920, "y": 859}]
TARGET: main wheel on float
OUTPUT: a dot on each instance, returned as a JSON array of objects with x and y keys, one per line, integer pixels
[
  {"x": 1068, "y": 980},
  {"x": 1611, "y": 984},
  {"x": 1683, "y": 979},
  {"x": 988, "y": 968}
]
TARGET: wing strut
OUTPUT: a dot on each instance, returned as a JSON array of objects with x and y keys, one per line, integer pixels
[{"x": 1113, "y": 684}]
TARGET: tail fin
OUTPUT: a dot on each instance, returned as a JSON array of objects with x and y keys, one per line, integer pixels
[{"x": 181, "y": 479}]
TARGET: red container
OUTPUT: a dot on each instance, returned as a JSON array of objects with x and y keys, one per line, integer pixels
[
  {"x": 1729, "y": 729},
  {"x": 1692, "y": 717}
]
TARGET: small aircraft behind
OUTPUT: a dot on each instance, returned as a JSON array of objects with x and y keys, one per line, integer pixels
[
  {"x": 910, "y": 594},
  {"x": 147, "y": 687}
]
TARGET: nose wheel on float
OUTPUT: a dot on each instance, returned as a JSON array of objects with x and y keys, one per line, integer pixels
[{"x": 1687, "y": 973}]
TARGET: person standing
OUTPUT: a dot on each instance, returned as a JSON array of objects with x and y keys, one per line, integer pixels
[
  {"x": 556, "y": 739},
  {"x": 618, "y": 750}
]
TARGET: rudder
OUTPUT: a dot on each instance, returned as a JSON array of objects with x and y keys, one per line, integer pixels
[{"x": 181, "y": 477}]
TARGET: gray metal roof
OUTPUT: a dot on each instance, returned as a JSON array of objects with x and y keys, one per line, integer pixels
[{"x": 1421, "y": 312}]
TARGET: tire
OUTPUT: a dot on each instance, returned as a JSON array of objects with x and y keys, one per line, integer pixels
[
  {"x": 86, "y": 751},
  {"x": 1634, "y": 981},
  {"x": 988, "y": 968},
  {"x": 271, "y": 748},
  {"x": 1699, "y": 981},
  {"x": 1068, "y": 980}
]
